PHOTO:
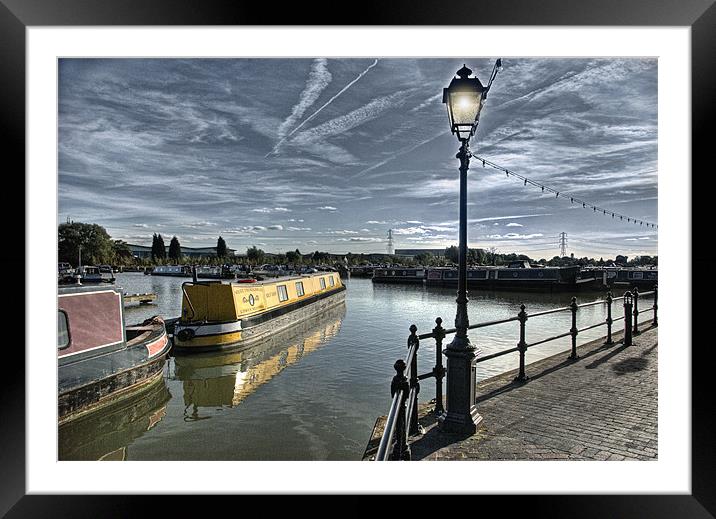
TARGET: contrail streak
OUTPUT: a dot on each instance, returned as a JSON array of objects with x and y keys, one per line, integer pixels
[
  {"x": 314, "y": 114},
  {"x": 396, "y": 155}
]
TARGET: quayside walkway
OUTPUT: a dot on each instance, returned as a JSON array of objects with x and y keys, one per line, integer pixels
[{"x": 600, "y": 406}]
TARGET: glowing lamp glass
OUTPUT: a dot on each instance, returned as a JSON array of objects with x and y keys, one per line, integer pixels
[{"x": 464, "y": 100}]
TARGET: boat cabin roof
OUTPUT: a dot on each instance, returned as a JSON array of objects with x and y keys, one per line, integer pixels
[{"x": 282, "y": 279}]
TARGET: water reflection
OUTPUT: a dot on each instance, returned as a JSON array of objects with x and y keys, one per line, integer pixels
[
  {"x": 106, "y": 433},
  {"x": 213, "y": 380}
]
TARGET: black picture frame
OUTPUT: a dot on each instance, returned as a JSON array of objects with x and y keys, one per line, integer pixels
[{"x": 699, "y": 15}]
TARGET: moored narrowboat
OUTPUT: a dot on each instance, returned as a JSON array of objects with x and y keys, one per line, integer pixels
[
  {"x": 643, "y": 278},
  {"x": 181, "y": 271},
  {"x": 100, "y": 360},
  {"x": 219, "y": 272},
  {"x": 218, "y": 315},
  {"x": 515, "y": 276},
  {"x": 398, "y": 275}
]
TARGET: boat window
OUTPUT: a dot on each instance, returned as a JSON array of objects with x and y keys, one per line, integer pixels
[
  {"x": 63, "y": 330},
  {"x": 299, "y": 288},
  {"x": 331, "y": 281},
  {"x": 282, "y": 293},
  {"x": 323, "y": 283}
]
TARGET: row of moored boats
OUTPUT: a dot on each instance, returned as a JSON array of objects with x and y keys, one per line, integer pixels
[{"x": 518, "y": 275}]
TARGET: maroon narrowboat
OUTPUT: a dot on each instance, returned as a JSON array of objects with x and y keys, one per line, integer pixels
[{"x": 100, "y": 360}]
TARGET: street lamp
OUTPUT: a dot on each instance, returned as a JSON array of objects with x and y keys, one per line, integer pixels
[{"x": 465, "y": 97}]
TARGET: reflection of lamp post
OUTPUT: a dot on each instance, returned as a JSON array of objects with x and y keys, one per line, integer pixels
[{"x": 464, "y": 98}]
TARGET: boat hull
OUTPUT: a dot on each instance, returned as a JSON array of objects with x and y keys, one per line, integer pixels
[
  {"x": 247, "y": 331},
  {"x": 399, "y": 275},
  {"x": 91, "y": 383}
]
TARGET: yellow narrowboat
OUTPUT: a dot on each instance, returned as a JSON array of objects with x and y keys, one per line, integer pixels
[{"x": 217, "y": 315}]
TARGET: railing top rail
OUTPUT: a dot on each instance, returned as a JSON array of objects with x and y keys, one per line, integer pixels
[
  {"x": 593, "y": 303},
  {"x": 490, "y": 323},
  {"x": 448, "y": 331},
  {"x": 389, "y": 432},
  {"x": 547, "y": 312}
]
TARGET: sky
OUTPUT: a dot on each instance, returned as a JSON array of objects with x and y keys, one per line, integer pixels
[{"x": 328, "y": 154}]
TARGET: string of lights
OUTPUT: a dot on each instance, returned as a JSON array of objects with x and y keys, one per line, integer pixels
[{"x": 572, "y": 199}]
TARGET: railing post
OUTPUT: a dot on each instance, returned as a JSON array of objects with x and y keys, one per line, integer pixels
[
  {"x": 413, "y": 339},
  {"x": 656, "y": 293},
  {"x": 522, "y": 345},
  {"x": 439, "y": 370},
  {"x": 401, "y": 451},
  {"x": 573, "y": 330},
  {"x": 609, "y": 318},
  {"x": 636, "y": 311},
  {"x": 627, "y": 318}
]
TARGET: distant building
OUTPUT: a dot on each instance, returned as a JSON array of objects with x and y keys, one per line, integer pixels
[
  {"x": 411, "y": 253},
  {"x": 142, "y": 251}
]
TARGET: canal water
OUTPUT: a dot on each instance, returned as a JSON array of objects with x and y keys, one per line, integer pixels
[{"x": 314, "y": 392}]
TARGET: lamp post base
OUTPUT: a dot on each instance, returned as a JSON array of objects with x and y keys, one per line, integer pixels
[
  {"x": 460, "y": 423},
  {"x": 461, "y": 415}
]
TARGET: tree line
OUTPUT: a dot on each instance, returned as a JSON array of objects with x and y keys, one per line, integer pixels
[{"x": 94, "y": 246}]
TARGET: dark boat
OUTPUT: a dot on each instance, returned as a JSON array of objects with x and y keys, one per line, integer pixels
[
  {"x": 181, "y": 271},
  {"x": 222, "y": 272},
  {"x": 398, "y": 275},
  {"x": 518, "y": 275},
  {"x": 100, "y": 360},
  {"x": 362, "y": 271},
  {"x": 618, "y": 278}
]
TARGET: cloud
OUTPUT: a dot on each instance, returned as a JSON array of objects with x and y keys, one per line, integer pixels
[
  {"x": 314, "y": 114},
  {"x": 361, "y": 239},
  {"x": 492, "y": 218},
  {"x": 268, "y": 210},
  {"x": 350, "y": 120},
  {"x": 199, "y": 225},
  {"x": 514, "y": 236},
  {"x": 410, "y": 230},
  {"x": 318, "y": 79}
]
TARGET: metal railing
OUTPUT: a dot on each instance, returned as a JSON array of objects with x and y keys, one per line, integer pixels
[{"x": 402, "y": 419}]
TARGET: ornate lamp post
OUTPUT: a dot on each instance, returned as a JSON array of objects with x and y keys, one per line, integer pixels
[{"x": 464, "y": 97}]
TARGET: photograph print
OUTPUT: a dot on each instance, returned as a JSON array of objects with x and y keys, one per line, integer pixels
[{"x": 374, "y": 259}]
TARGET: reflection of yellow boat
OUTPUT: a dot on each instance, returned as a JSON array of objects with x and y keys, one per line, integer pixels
[
  {"x": 106, "y": 433},
  {"x": 217, "y": 315},
  {"x": 217, "y": 379}
]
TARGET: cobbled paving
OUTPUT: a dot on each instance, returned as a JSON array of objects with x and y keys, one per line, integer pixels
[{"x": 602, "y": 406}]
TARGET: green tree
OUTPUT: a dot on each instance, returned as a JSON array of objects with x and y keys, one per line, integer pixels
[
  {"x": 293, "y": 256},
  {"x": 174, "y": 249},
  {"x": 122, "y": 254},
  {"x": 159, "y": 251},
  {"x": 476, "y": 256},
  {"x": 221, "y": 250},
  {"x": 97, "y": 246},
  {"x": 255, "y": 256},
  {"x": 452, "y": 253},
  {"x": 425, "y": 258}
]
